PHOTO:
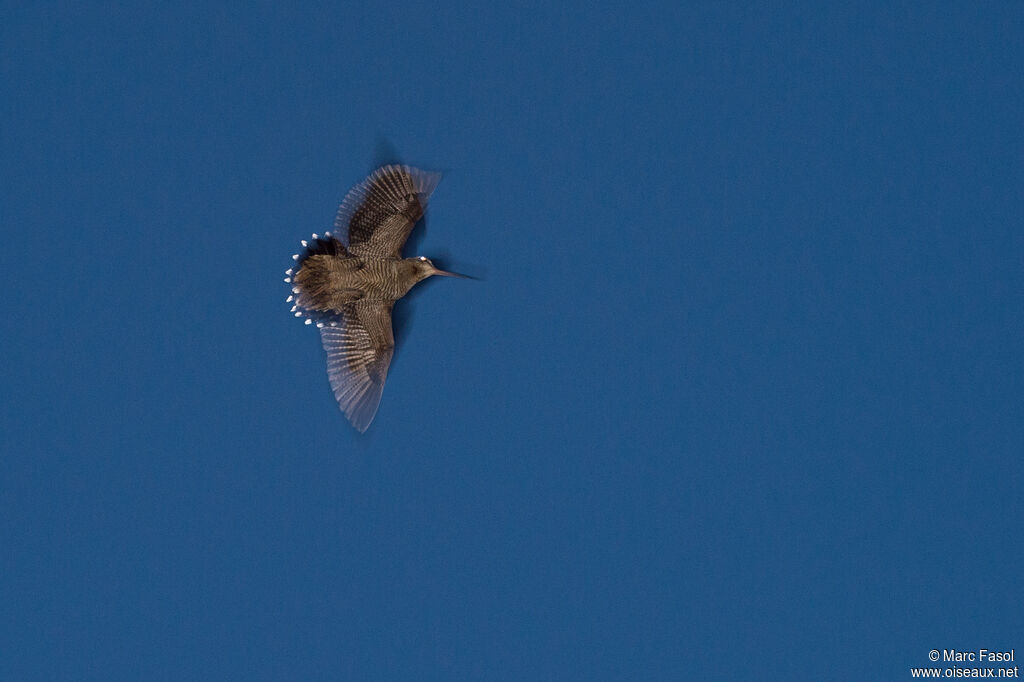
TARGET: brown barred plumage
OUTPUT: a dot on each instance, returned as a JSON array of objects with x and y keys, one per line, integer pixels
[{"x": 348, "y": 286}]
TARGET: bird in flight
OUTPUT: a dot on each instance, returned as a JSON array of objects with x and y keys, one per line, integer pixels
[{"x": 347, "y": 282}]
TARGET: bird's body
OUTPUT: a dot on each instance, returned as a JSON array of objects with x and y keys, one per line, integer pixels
[
  {"x": 349, "y": 287},
  {"x": 334, "y": 280}
]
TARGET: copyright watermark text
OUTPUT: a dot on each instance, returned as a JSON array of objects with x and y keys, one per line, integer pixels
[{"x": 980, "y": 657}]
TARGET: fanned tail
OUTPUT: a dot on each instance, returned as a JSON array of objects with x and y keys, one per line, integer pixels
[{"x": 305, "y": 289}]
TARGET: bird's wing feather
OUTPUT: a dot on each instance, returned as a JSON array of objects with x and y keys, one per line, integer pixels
[
  {"x": 379, "y": 213},
  {"x": 359, "y": 349}
]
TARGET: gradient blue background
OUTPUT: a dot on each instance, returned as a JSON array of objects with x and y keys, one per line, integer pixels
[{"x": 740, "y": 396}]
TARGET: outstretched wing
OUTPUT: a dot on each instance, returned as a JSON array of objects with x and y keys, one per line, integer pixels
[
  {"x": 379, "y": 213},
  {"x": 359, "y": 348}
]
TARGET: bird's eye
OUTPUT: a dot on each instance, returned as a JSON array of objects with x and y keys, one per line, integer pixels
[{"x": 423, "y": 258}]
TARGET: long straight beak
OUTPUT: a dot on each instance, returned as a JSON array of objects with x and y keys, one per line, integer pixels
[{"x": 445, "y": 273}]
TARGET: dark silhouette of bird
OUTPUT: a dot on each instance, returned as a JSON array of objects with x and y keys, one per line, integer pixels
[{"x": 347, "y": 282}]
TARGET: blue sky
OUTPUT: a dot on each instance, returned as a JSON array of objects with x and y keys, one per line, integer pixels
[{"x": 739, "y": 394}]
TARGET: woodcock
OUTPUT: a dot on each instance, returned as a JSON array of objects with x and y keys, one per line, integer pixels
[{"x": 347, "y": 282}]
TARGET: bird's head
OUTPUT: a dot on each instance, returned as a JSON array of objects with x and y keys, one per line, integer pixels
[{"x": 425, "y": 268}]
